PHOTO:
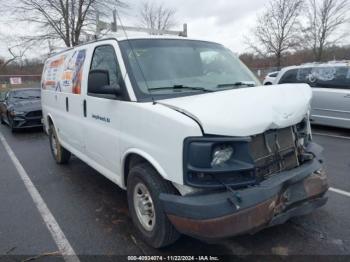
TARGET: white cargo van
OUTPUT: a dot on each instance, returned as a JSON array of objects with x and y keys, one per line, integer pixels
[{"x": 201, "y": 148}]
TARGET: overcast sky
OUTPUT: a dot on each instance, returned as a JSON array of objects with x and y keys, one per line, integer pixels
[{"x": 224, "y": 21}]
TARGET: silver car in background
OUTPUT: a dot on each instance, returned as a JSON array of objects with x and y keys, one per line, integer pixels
[{"x": 330, "y": 83}]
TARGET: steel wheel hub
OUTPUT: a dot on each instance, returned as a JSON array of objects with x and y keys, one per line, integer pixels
[{"x": 144, "y": 207}]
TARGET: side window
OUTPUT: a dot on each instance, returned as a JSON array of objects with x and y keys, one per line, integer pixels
[
  {"x": 330, "y": 77},
  {"x": 289, "y": 77},
  {"x": 300, "y": 75},
  {"x": 104, "y": 58},
  {"x": 321, "y": 76}
]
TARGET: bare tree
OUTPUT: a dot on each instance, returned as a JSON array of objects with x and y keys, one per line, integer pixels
[
  {"x": 59, "y": 19},
  {"x": 278, "y": 29},
  {"x": 16, "y": 52},
  {"x": 324, "y": 19},
  {"x": 156, "y": 17}
]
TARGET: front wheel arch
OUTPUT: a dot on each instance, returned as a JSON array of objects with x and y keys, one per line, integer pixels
[
  {"x": 134, "y": 157},
  {"x": 50, "y": 122}
]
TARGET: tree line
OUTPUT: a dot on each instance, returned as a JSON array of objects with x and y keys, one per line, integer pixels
[
  {"x": 285, "y": 32},
  {"x": 268, "y": 63},
  {"x": 69, "y": 22},
  {"x": 288, "y": 26}
]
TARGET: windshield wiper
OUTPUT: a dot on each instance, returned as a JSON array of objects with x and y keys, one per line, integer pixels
[
  {"x": 236, "y": 84},
  {"x": 180, "y": 87}
]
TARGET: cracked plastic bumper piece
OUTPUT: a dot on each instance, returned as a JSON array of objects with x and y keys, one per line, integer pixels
[{"x": 288, "y": 194}]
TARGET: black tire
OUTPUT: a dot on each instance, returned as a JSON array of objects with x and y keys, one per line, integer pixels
[
  {"x": 61, "y": 155},
  {"x": 163, "y": 232},
  {"x": 2, "y": 120},
  {"x": 10, "y": 120}
]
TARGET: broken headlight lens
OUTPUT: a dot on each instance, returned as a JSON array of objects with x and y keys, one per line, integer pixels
[
  {"x": 303, "y": 131},
  {"x": 221, "y": 154}
]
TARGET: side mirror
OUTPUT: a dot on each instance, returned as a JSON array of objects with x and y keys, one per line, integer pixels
[{"x": 99, "y": 84}]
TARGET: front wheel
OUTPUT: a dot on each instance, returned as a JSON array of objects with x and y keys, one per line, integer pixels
[
  {"x": 11, "y": 124},
  {"x": 60, "y": 154},
  {"x": 2, "y": 120},
  {"x": 144, "y": 186}
]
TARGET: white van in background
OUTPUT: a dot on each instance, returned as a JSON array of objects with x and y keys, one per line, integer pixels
[{"x": 201, "y": 148}]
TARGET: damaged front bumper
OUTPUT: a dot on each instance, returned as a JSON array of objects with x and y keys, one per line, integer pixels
[{"x": 288, "y": 194}]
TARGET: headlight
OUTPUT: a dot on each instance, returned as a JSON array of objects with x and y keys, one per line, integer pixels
[
  {"x": 303, "y": 131},
  {"x": 221, "y": 154},
  {"x": 17, "y": 113},
  {"x": 211, "y": 161}
]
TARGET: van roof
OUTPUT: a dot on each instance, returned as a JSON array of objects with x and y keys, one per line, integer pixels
[{"x": 123, "y": 37}]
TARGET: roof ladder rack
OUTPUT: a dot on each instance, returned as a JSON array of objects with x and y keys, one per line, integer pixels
[{"x": 101, "y": 25}]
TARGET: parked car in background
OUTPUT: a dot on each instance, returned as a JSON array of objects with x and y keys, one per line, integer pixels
[
  {"x": 270, "y": 78},
  {"x": 21, "y": 108},
  {"x": 330, "y": 84}
]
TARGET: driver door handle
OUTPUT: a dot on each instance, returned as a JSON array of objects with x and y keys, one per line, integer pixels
[{"x": 67, "y": 105}]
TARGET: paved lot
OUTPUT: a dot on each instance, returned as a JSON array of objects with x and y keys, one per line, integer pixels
[{"x": 93, "y": 214}]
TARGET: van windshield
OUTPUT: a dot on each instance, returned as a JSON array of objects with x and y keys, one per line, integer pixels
[{"x": 162, "y": 68}]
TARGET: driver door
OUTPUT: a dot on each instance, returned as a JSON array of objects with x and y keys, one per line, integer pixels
[{"x": 102, "y": 114}]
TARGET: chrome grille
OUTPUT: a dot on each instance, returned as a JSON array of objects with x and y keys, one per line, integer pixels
[{"x": 274, "y": 151}]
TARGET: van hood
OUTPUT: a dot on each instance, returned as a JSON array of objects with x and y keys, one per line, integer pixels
[{"x": 246, "y": 111}]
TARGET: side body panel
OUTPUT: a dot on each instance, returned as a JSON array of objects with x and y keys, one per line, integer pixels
[
  {"x": 157, "y": 133},
  {"x": 62, "y": 82},
  {"x": 331, "y": 107}
]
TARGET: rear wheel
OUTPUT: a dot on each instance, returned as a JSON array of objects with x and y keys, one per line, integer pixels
[
  {"x": 144, "y": 187},
  {"x": 60, "y": 154}
]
